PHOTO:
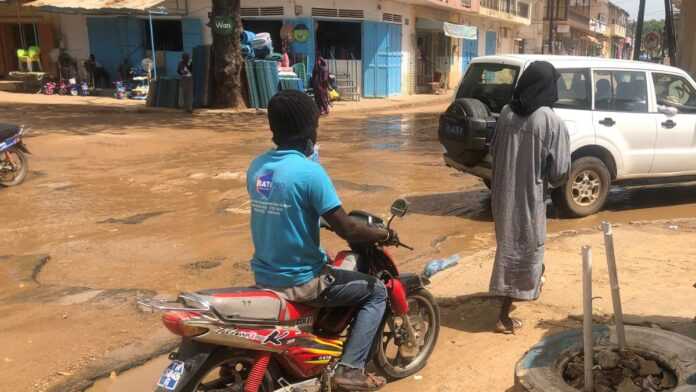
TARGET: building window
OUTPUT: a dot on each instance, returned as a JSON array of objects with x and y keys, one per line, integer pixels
[
  {"x": 466, "y": 3},
  {"x": 168, "y": 35},
  {"x": 574, "y": 89},
  {"x": 621, "y": 91},
  {"x": 523, "y": 9}
]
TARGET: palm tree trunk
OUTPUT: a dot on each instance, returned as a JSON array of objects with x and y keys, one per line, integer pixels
[{"x": 227, "y": 58}]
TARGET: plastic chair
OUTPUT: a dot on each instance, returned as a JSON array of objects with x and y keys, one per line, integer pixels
[
  {"x": 34, "y": 53},
  {"x": 23, "y": 60},
  {"x": 301, "y": 72}
]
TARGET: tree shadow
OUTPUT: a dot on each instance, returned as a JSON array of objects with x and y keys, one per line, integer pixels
[
  {"x": 651, "y": 196},
  {"x": 474, "y": 313}
]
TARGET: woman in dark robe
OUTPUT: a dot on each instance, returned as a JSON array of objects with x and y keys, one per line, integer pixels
[
  {"x": 531, "y": 152},
  {"x": 320, "y": 84}
]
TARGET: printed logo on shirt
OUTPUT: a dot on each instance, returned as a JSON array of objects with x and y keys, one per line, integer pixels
[{"x": 264, "y": 184}]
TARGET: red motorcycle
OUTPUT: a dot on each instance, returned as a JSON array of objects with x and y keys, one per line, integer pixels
[{"x": 251, "y": 340}]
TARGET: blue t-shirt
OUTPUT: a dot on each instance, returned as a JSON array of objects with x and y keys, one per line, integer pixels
[{"x": 289, "y": 193}]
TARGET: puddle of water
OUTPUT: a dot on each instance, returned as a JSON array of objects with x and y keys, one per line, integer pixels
[{"x": 142, "y": 378}]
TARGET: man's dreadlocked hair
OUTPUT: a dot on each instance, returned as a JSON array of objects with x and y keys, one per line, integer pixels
[{"x": 293, "y": 117}]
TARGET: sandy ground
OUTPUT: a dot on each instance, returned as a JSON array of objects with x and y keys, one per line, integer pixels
[{"x": 119, "y": 205}]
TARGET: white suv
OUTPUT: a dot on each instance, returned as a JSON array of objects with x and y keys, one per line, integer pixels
[{"x": 627, "y": 121}]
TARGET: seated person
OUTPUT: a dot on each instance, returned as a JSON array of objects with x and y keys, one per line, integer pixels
[{"x": 289, "y": 193}]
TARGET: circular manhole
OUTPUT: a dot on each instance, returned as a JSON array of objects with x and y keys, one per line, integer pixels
[{"x": 545, "y": 367}]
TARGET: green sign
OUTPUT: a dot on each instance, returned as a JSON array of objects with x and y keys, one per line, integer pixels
[{"x": 223, "y": 25}]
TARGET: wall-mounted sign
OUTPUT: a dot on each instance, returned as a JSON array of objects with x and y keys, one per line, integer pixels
[
  {"x": 223, "y": 25},
  {"x": 301, "y": 33}
]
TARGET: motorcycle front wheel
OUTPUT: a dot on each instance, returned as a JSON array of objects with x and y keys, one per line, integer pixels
[
  {"x": 393, "y": 356},
  {"x": 13, "y": 167},
  {"x": 227, "y": 370}
]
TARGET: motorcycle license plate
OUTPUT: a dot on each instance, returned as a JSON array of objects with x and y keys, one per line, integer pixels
[{"x": 171, "y": 375}]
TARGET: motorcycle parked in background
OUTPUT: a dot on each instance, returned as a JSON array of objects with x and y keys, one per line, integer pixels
[
  {"x": 252, "y": 340},
  {"x": 14, "y": 165}
]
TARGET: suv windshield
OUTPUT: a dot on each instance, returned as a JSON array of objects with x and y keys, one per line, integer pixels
[{"x": 491, "y": 84}]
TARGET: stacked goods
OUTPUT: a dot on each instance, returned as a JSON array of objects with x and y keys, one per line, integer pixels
[
  {"x": 246, "y": 38},
  {"x": 262, "y": 45},
  {"x": 201, "y": 76},
  {"x": 267, "y": 80}
]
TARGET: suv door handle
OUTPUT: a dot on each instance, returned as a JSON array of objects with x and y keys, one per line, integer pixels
[
  {"x": 669, "y": 124},
  {"x": 608, "y": 121}
]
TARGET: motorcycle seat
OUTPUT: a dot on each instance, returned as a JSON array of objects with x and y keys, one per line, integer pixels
[
  {"x": 7, "y": 131},
  {"x": 253, "y": 304}
]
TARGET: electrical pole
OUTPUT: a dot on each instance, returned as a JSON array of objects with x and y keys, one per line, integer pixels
[
  {"x": 669, "y": 29},
  {"x": 639, "y": 31},
  {"x": 551, "y": 19}
]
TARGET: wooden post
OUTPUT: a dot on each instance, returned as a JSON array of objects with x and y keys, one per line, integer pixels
[
  {"x": 551, "y": 11},
  {"x": 669, "y": 29},
  {"x": 587, "y": 316},
  {"x": 639, "y": 31},
  {"x": 614, "y": 282}
]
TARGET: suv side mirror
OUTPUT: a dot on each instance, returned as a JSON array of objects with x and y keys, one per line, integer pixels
[
  {"x": 399, "y": 208},
  {"x": 668, "y": 111}
]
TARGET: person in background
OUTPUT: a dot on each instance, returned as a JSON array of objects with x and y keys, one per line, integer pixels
[
  {"x": 184, "y": 71},
  {"x": 285, "y": 59},
  {"x": 531, "y": 151},
  {"x": 97, "y": 74},
  {"x": 320, "y": 84}
]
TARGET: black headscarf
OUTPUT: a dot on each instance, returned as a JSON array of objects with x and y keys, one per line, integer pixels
[{"x": 536, "y": 88}]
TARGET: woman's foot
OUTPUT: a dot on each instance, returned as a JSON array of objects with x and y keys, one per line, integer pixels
[
  {"x": 350, "y": 379},
  {"x": 509, "y": 326}
]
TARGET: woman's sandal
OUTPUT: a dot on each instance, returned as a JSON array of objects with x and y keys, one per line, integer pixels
[{"x": 500, "y": 327}]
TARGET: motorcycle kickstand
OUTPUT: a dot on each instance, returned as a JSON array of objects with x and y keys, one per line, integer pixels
[{"x": 327, "y": 377}]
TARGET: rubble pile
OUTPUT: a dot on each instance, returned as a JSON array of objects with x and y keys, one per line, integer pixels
[{"x": 626, "y": 371}]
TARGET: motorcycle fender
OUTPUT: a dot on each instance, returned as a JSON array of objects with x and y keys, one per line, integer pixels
[
  {"x": 22, "y": 147},
  {"x": 412, "y": 282},
  {"x": 193, "y": 354}
]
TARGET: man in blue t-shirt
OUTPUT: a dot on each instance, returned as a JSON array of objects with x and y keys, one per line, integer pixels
[{"x": 289, "y": 194}]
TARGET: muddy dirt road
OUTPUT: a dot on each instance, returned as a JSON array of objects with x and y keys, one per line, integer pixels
[{"x": 118, "y": 205}]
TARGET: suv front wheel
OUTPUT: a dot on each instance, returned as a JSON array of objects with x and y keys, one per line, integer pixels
[{"x": 586, "y": 190}]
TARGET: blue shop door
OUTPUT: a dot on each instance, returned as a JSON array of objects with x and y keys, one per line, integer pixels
[
  {"x": 381, "y": 59},
  {"x": 113, "y": 40},
  {"x": 104, "y": 44},
  {"x": 131, "y": 33},
  {"x": 491, "y": 42},
  {"x": 192, "y": 34},
  {"x": 394, "y": 60},
  {"x": 469, "y": 52}
]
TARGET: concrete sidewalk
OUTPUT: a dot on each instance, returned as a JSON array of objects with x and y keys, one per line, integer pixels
[{"x": 108, "y": 104}]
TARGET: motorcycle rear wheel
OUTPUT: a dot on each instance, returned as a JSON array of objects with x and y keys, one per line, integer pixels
[
  {"x": 227, "y": 370},
  {"x": 16, "y": 176},
  {"x": 423, "y": 312}
]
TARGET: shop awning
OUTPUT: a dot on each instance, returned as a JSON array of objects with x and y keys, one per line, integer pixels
[
  {"x": 592, "y": 39},
  {"x": 449, "y": 29},
  {"x": 76, "y": 5}
]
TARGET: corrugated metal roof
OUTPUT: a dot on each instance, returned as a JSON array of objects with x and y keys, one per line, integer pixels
[{"x": 139, "y": 5}]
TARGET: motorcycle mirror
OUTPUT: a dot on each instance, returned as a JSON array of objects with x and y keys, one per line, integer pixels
[{"x": 399, "y": 208}]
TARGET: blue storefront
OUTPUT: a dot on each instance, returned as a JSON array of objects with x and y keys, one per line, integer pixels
[
  {"x": 114, "y": 40},
  {"x": 375, "y": 45}
]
